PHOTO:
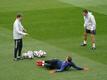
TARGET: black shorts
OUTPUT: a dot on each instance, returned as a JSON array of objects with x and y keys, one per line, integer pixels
[
  {"x": 51, "y": 64},
  {"x": 90, "y": 32}
]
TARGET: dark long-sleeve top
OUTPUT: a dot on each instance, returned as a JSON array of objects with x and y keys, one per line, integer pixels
[{"x": 62, "y": 65}]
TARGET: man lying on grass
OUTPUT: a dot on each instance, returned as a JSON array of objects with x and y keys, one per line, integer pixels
[{"x": 57, "y": 65}]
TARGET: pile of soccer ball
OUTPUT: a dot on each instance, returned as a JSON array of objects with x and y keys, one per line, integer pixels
[{"x": 32, "y": 54}]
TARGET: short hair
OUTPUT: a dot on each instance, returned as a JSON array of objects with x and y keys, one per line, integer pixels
[
  {"x": 18, "y": 15},
  {"x": 85, "y": 11},
  {"x": 69, "y": 59}
]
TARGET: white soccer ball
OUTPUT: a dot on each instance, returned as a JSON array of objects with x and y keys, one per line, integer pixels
[
  {"x": 30, "y": 54},
  {"x": 24, "y": 55},
  {"x": 39, "y": 53}
]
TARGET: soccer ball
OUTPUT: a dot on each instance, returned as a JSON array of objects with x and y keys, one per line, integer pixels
[
  {"x": 28, "y": 55},
  {"x": 39, "y": 53}
]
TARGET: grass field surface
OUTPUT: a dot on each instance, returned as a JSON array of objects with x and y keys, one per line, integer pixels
[{"x": 55, "y": 26}]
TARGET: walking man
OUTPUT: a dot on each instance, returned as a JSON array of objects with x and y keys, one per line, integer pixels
[
  {"x": 18, "y": 33},
  {"x": 90, "y": 28}
]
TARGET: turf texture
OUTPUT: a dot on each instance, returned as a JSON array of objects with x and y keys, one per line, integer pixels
[{"x": 55, "y": 26}]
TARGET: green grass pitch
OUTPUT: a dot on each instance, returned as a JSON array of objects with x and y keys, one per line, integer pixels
[{"x": 55, "y": 26}]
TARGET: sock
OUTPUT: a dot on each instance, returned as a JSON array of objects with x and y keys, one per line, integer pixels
[
  {"x": 93, "y": 45},
  {"x": 43, "y": 63},
  {"x": 85, "y": 42}
]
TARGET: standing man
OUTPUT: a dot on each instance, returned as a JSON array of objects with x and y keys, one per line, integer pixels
[
  {"x": 18, "y": 33},
  {"x": 90, "y": 28}
]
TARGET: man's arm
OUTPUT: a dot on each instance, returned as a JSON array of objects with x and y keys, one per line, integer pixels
[
  {"x": 24, "y": 30},
  {"x": 19, "y": 31},
  {"x": 62, "y": 67},
  {"x": 84, "y": 23},
  {"x": 58, "y": 70},
  {"x": 76, "y": 67},
  {"x": 72, "y": 65},
  {"x": 93, "y": 22}
]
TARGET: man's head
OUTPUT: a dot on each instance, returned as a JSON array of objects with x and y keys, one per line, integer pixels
[
  {"x": 85, "y": 12},
  {"x": 19, "y": 16},
  {"x": 69, "y": 59}
]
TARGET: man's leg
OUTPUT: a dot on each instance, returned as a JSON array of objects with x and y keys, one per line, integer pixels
[
  {"x": 15, "y": 49},
  {"x": 52, "y": 61},
  {"x": 51, "y": 64},
  {"x": 93, "y": 41},
  {"x": 85, "y": 39},
  {"x": 20, "y": 45}
]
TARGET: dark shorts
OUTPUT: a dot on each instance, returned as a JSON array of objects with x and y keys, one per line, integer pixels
[
  {"x": 90, "y": 32},
  {"x": 51, "y": 64}
]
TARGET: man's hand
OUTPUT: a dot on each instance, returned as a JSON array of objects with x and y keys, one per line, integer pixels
[
  {"x": 24, "y": 30},
  {"x": 86, "y": 69},
  {"x": 52, "y": 71},
  {"x": 26, "y": 34}
]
